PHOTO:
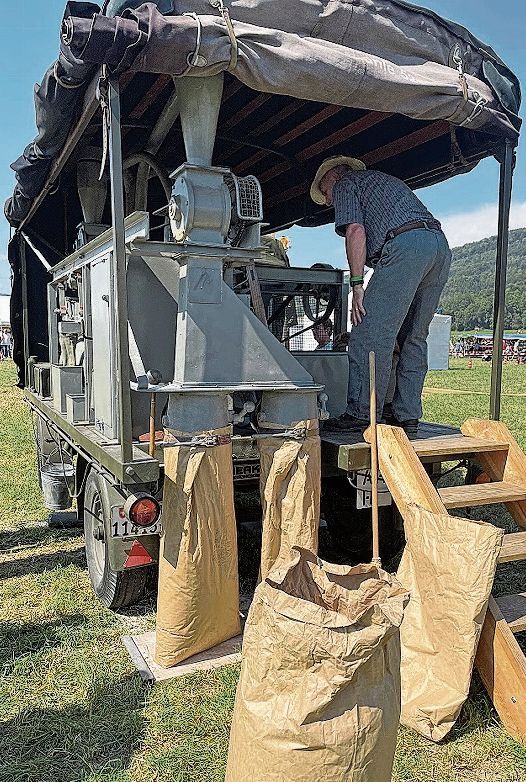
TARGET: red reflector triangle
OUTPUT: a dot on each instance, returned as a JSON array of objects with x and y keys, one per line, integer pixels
[{"x": 138, "y": 556}]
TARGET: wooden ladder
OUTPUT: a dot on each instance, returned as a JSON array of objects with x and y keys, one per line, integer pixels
[{"x": 500, "y": 661}]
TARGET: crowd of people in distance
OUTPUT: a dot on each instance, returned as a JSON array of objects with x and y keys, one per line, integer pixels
[
  {"x": 6, "y": 344},
  {"x": 477, "y": 347}
]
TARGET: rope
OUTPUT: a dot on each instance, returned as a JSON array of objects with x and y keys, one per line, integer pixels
[
  {"x": 234, "y": 51},
  {"x": 193, "y": 59}
]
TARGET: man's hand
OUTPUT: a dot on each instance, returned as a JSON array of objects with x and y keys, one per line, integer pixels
[{"x": 358, "y": 310}]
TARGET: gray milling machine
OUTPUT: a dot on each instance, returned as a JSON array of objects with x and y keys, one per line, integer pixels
[{"x": 209, "y": 208}]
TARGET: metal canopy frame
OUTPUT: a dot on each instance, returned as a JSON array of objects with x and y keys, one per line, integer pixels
[{"x": 499, "y": 301}]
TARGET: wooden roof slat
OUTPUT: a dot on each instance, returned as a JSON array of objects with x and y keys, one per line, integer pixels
[
  {"x": 150, "y": 96},
  {"x": 325, "y": 144},
  {"x": 285, "y": 112},
  {"x": 311, "y": 122},
  {"x": 231, "y": 89},
  {"x": 252, "y": 160},
  {"x": 394, "y": 148},
  {"x": 245, "y": 112},
  {"x": 271, "y": 122},
  {"x": 356, "y": 127},
  {"x": 406, "y": 143}
]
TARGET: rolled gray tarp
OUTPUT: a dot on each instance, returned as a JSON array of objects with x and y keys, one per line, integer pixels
[{"x": 399, "y": 59}]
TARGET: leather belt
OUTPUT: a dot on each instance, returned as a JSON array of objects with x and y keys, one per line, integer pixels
[{"x": 430, "y": 225}]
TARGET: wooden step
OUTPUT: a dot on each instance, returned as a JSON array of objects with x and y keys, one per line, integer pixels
[
  {"x": 513, "y": 609},
  {"x": 453, "y": 446},
  {"x": 513, "y": 547},
  {"x": 482, "y": 494}
]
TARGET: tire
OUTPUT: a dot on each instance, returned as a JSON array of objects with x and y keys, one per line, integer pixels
[
  {"x": 351, "y": 529},
  {"x": 114, "y": 589}
]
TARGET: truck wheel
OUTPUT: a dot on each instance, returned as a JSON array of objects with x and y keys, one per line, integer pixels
[
  {"x": 115, "y": 589},
  {"x": 350, "y": 529}
]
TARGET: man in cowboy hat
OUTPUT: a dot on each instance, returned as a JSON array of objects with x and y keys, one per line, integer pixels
[{"x": 385, "y": 226}]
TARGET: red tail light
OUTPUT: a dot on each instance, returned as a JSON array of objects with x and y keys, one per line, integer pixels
[{"x": 142, "y": 510}]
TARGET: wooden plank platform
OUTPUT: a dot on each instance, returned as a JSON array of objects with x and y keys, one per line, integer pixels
[
  {"x": 141, "y": 649},
  {"x": 482, "y": 494},
  {"x": 348, "y": 450},
  {"x": 513, "y": 547},
  {"x": 454, "y": 446}
]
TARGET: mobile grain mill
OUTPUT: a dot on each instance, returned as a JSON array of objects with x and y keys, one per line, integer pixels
[{"x": 172, "y": 135}]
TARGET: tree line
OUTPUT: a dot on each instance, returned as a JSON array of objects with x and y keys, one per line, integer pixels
[{"x": 468, "y": 295}]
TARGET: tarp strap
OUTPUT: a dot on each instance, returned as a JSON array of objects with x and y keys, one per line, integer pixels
[
  {"x": 456, "y": 151},
  {"x": 105, "y": 110},
  {"x": 477, "y": 109},
  {"x": 37, "y": 252},
  {"x": 193, "y": 59},
  {"x": 230, "y": 30},
  {"x": 298, "y": 433},
  {"x": 205, "y": 441}
]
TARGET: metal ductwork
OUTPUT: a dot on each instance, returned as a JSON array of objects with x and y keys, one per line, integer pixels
[
  {"x": 92, "y": 190},
  {"x": 199, "y": 105}
]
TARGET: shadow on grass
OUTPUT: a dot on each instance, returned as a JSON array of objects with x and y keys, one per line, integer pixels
[
  {"x": 75, "y": 742},
  {"x": 17, "y": 640},
  {"x": 40, "y": 563},
  {"x": 477, "y": 713},
  {"x": 33, "y": 533}
]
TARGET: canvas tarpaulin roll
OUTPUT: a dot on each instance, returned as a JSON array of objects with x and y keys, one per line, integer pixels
[
  {"x": 319, "y": 692},
  {"x": 388, "y": 57},
  {"x": 448, "y": 567},
  {"x": 290, "y": 486},
  {"x": 198, "y": 600}
]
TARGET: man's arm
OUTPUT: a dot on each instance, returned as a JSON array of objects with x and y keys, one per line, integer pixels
[{"x": 355, "y": 247}]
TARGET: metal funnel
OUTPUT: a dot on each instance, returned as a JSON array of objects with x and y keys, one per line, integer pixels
[
  {"x": 92, "y": 192},
  {"x": 199, "y": 102}
]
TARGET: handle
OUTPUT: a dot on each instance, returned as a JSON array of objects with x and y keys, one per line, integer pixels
[{"x": 374, "y": 460}]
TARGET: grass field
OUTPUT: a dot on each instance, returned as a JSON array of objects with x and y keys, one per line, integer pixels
[{"x": 71, "y": 705}]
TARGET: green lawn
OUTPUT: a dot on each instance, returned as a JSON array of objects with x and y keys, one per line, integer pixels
[
  {"x": 72, "y": 707},
  {"x": 455, "y": 408}
]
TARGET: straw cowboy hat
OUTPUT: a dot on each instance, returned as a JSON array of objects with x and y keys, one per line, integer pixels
[{"x": 327, "y": 165}]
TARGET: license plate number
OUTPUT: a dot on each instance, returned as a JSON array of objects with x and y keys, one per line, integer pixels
[{"x": 122, "y": 527}]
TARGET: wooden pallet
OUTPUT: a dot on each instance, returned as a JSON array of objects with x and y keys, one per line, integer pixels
[
  {"x": 141, "y": 649},
  {"x": 499, "y": 660}
]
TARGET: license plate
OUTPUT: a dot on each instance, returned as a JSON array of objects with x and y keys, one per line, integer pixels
[
  {"x": 122, "y": 527},
  {"x": 364, "y": 493}
]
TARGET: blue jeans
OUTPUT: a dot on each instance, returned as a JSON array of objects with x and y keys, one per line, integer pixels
[{"x": 400, "y": 301}]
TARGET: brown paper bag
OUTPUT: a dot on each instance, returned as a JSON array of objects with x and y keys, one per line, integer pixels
[
  {"x": 290, "y": 486},
  {"x": 198, "y": 599},
  {"x": 319, "y": 692},
  {"x": 448, "y": 567}
]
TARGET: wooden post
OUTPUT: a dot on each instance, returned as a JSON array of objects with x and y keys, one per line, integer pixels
[
  {"x": 374, "y": 461},
  {"x": 153, "y": 411}
]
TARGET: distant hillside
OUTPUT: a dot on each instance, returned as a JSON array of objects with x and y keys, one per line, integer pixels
[{"x": 468, "y": 295}]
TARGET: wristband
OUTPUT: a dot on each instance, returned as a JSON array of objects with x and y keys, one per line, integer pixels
[{"x": 356, "y": 281}]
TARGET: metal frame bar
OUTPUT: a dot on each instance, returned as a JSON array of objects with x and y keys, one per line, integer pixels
[
  {"x": 124, "y": 423},
  {"x": 499, "y": 302},
  {"x": 25, "y": 313},
  {"x": 143, "y": 469}
]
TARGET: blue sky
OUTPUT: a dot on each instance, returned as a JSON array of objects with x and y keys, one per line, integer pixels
[{"x": 466, "y": 204}]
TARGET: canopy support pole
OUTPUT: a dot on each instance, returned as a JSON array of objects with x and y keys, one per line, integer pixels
[
  {"x": 119, "y": 267},
  {"x": 499, "y": 301}
]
